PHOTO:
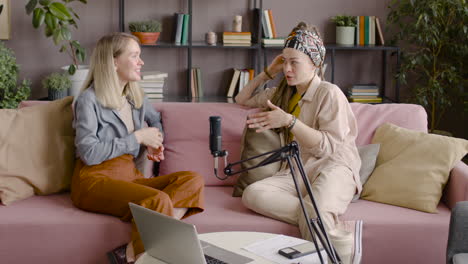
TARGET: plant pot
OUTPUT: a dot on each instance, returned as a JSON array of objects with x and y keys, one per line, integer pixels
[
  {"x": 147, "y": 37},
  {"x": 55, "y": 94},
  {"x": 77, "y": 79},
  {"x": 345, "y": 35}
]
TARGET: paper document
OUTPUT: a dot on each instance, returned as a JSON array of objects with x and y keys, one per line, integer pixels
[{"x": 268, "y": 249}]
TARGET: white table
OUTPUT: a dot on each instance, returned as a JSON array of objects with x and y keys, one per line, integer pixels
[{"x": 233, "y": 241}]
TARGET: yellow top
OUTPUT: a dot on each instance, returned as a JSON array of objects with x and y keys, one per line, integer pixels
[{"x": 294, "y": 108}]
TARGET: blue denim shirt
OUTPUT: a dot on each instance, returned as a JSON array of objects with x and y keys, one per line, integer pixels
[{"x": 100, "y": 132}]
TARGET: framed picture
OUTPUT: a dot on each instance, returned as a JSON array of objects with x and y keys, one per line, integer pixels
[{"x": 4, "y": 19}]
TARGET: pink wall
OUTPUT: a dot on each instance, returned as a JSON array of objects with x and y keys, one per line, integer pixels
[{"x": 39, "y": 57}]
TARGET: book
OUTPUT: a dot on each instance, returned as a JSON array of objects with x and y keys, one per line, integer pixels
[
  {"x": 179, "y": 22},
  {"x": 156, "y": 84},
  {"x": 154, "y": 95},
  {"x": 272, "y": 24},
  {"x": 379, "y": 31},
  {"x": 230, "y": 33},
  {"x": 366, "y": 100},
  {"x": 233, "y": 84},
  {"x": 240, "y": 41},
  {"x": 268, "y": 23},
  {"x": 154, "y": 90},
  {"x": 372, "y": 30},
  {"x": 361, "y": 30},
  {"x": 199, "y": 82},
  {"x": 185, "y": 29},
  {"x": 251, "y": 74},
  {"x": 264, "y": 25},
  {"x": 241, "y": 37},
  {"x": 193, "y": 83},
  {"x": 273, "y": 41},
  {"x": 237, "y": 44},
  {"x": 146, "y": 75}
]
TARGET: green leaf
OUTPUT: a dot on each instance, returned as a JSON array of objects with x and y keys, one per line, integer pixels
[
  {"x": 60, "y": 11},
  {"x": 57, "y": 36},
  {"x": 63, "y": 48},
  {"x": 38, "y": 17},
  {"x": 44, "y": 2},
  {"x": 48, "y": 32},
  {"x": 30, "y": 6},
  {"x": 66, "y": 34},
  {"x": 72, "y": 69},
  {"x": 80, "y": 53},
  {"x": 51, "y": 21}
]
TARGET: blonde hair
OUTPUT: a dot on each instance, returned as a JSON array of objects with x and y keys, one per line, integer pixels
[{"x": 103, "y": 76}]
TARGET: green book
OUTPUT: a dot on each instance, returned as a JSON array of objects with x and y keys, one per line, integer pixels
[
  {"x": 366, "y": 30},
  {"x": 185, "y": 29}
]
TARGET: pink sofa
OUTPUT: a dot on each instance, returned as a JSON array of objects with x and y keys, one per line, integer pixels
[{"x": 49, "y": 229}]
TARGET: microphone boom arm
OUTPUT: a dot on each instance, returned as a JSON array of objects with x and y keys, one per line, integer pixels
[{"x": 290, "y": 153}]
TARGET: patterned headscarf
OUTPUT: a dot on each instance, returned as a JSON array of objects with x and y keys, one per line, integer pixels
[{"x": 308, "y": 42}]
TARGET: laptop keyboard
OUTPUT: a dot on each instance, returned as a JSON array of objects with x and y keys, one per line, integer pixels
[{"x": 211, "y": 260}]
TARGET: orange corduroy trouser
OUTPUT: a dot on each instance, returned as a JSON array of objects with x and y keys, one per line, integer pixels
[{"x": 108, "y": 188}]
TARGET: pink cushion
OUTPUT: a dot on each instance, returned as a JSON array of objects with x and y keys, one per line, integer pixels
[
  {"x": 187, "y": 130},
  {"x": 401, "y": 235},
  {"x": 370, "y": 117},
  {"x": 49, "y": 229}
]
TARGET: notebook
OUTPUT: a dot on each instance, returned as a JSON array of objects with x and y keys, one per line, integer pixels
[{"x": 174, "y": 241}]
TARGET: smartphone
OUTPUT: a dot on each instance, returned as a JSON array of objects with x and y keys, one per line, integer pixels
[{"x": 298, "y": 250}]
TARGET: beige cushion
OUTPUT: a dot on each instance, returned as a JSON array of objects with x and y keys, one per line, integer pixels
[
  {"x": 254, "y": 144},
  {"x": 412, "y": 167},
  {"x": 37, "y": 152},
  {"x": 368, "y": 155}
]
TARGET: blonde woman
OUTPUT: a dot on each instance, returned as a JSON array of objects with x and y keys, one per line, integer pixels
[
  {"x": 109, "y": 121},
  {"x": 318, "y": 116}
]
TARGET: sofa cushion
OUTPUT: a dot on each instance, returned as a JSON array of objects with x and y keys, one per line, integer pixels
[
  {"x": 49, "y": 229},
  {"x": 186, "y": 137},
  {"x": 393, "y": 234},
  {"x": 368, "y": 155},
  {"x": 37, "y": 151},
  {"x": 412, "y": 167},
  {"x": 254, "y": 144},
  {"x": 369, "y": 117}
]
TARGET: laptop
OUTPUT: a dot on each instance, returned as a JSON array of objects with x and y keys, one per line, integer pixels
[{"x": 173, "y": 241}]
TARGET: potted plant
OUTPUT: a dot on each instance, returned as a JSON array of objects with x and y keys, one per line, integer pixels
[
  {"x": 430, "y": 34},
  {"x": 345, "y": 27},
  {"x": 57, "y": 85},
  {"x": 147, "y": 31},
  {"x": 58, "y": 17},
  {"x": 11, "y": 93}
]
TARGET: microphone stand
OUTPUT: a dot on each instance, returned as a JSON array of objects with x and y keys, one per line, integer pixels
[{"x": 289, "y": 153}]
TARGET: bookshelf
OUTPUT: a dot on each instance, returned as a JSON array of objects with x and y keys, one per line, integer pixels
[
  {"x": 254, "y": 50},
  {"x": 386, "y": 52}
]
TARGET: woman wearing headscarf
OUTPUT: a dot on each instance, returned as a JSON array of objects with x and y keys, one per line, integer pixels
[{"x": 317, "y": 115}]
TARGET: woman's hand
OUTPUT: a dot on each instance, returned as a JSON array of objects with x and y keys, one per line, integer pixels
[
  {"x": 270, "y": 119},
  {"x": 150, "y": 137},
  {"x": 156, "y": 154},
  {"x": 276, "y": 66}
]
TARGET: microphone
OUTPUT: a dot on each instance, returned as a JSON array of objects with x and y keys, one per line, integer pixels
[
  {"x": 215, "y": 136},
  {"x": 216, "y": 143}
]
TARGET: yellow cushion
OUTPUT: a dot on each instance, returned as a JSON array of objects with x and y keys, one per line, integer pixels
[
  {"x": 37, "y": 151},
  {"x": 412, "y": 167}
]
